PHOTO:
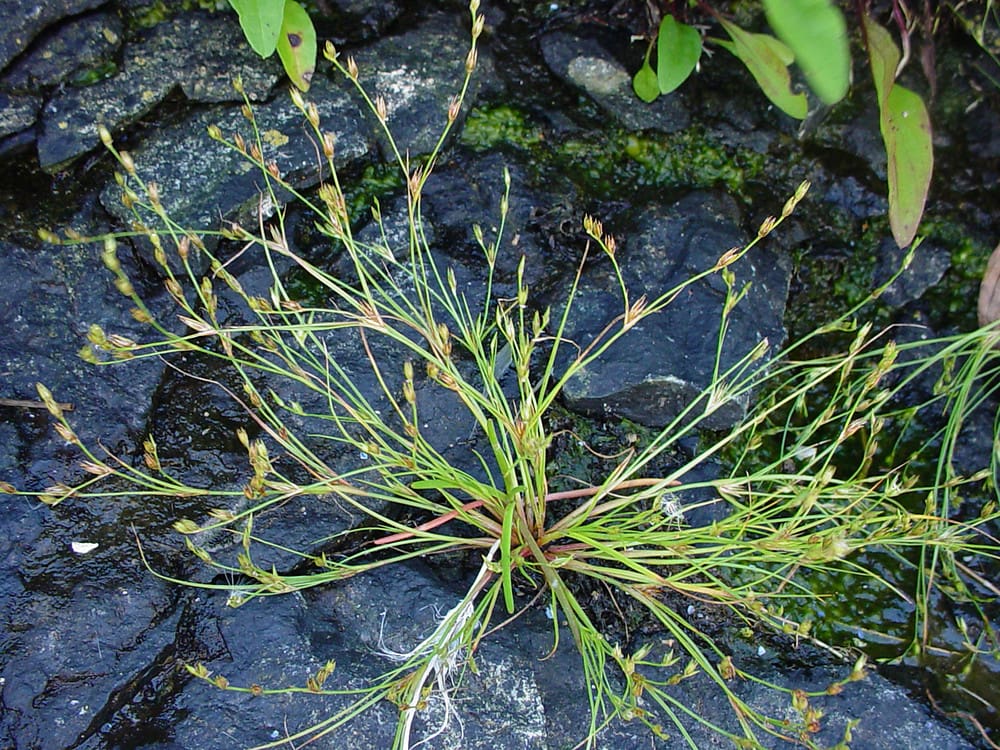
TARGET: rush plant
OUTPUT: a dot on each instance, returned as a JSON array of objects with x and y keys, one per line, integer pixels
[{"x": 790, "y": 506}]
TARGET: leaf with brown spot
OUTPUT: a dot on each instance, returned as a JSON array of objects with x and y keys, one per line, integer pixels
[{"x": 297, "y": 45}]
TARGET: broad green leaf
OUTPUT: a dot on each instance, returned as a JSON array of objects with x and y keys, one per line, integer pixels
[
  {"x": 906, "y": 133},
  {"x": 816, "y": 32},
  {"x": 678, "y": 47},
  {"x": 297, "y": 45},
  {"x": 644, "y": 83},
  {"x": 767, "y": 59},
  {"x": 261, "y": 23},
  {"x": 906, "y": 130},
  {"x": 883, "y": 56}
]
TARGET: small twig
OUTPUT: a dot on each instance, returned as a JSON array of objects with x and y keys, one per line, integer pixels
[
  {"x": 18, "y": 403},
  {"x": 964, "y": 715}
]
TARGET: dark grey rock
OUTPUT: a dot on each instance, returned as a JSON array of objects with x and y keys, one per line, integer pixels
[
  {"x": 859, "y": 140},
  {"x": 76, "y": 50},
  {"x": 17, "y": 112},
  {"x": 148, "y": 73},
  {"x": 664, "y": 363},
  {"x": 929, "y": 265},
  {"x": 372, "y": 18},
  {"x": 588, "y": 65},
  {"x": 24, "y": 20}
]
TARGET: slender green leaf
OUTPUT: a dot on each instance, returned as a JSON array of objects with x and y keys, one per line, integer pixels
[
  {"x": 505, "y": 558},
  {"x": 261, "y": 23},
  {"x": 297, "y": 45},
  {"x": 816, "y": 32},
  {"x": 767, "y": 59},
  {"x": 906, "y": 133},
  {"x": 678, "y": 47}
]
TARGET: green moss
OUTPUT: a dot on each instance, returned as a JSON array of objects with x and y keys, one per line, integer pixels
[
  {"x": 952, "y": 301},
  {"x": 376, "y": 181},
  {"x": 158, "y": 11},
  {"x": 690, "y": 159},
  {"x": 490, "y": 127},
  {"x": 95, "y": 75}
]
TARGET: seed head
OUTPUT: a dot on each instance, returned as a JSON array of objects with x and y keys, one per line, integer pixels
[
  {"x": 110, "y": 257},
  {"x": 123, "y": 285},
  {"x": 105, "y": 135},
  {"x": 95, "y": 468},
  {"x": 767, "y": 226},
  {"x": 153, "y": 191},
  {"x": 352, "y": 69},
  {"x": 95, "y": 335},
  {"x": 66, "y": 433},
  {"x": 312, "y": 114},
  {"x": 50, "y": 403},
  {"x": 125, "y": 158}
]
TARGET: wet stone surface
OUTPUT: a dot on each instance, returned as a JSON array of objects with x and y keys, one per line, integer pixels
[{"x": 94, "y": 643}]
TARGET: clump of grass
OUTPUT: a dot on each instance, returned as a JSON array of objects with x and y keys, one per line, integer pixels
[{"x": 790, "y": 505}]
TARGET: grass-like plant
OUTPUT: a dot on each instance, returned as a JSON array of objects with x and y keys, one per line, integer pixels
[{"x": 793, "y": 503}]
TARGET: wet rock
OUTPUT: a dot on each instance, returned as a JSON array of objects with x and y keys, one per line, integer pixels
[
  {"x": 663, "y": 364},
  {"x": 280, "y": 642},
  {"x": 588, "y": 65},
  {"x": 24, "y": 20},
  {"x": 148, "y": 73},
  {"x": 46, "y": 309},
  {"x": 75, "y": 660},
  {"x": 77, "y": 52}
]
